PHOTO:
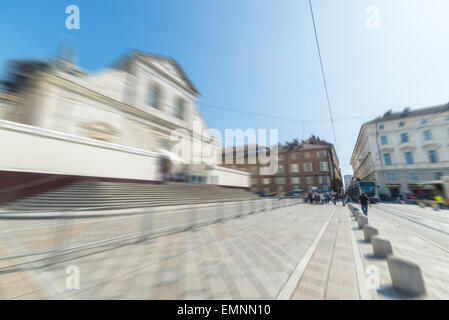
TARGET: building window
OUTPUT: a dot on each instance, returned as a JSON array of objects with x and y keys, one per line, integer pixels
[
  {"x": 413, "y": 176},
  {"x": 154, "y": 96},
  {"x": 266, "y": 180},
  {"x": 383, "y": 140},
  {"x": 404, "y": 137},
  {"x": 433, "y": 157},
  {"x": 323, "y": 180},
  {"x": 409, "y": 157},
  {"x": 293, "y": 156},
  {"x": 280, "y": 168},
  {"x": 391, "y": 176},
  {"x": 323, "y": 166},
  {"x": 295, "y": 180},
  {"x": 307, "y": 155},
  {"x": 401, "y": 124},
  {"x": 321, "y": 154},
  {"x": 381, "y": 127},
  {"x": 309, "y": 180},
  {"x": 427, "y": 135},
  {"x": 438, "y": 175},
  {"x": 253, "y": 169},
  {"x": 308, "y": 167},
  {"x": 266, "y": 190},
  {"x": 280, "y": 180},
  {"x": 281, "y": 158},
  {"x": 387, "y": 159},
  {"x": 253, "y": 182},
  {"x": 294, "y": 168},
  {"x": 179, "y": 108}
]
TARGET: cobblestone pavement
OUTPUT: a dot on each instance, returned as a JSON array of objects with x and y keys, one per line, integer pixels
[
  {"x": 251, "y": 257},
  {"x": 416, "y": 234},
  {"x": 298, "y": 252},
  {"x": 331, "y": 272}
]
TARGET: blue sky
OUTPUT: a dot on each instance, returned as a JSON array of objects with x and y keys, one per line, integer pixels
[{"x": 260, "y": 55}]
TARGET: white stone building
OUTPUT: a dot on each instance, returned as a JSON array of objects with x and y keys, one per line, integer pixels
[
  {"x": 132, "y": 108},
  {"x": 401, "y": 150}
]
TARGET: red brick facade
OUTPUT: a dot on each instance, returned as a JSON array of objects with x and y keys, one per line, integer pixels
[{"x": 311, "y": 165}]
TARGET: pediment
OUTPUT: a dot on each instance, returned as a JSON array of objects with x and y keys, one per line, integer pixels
[{"x": 170, "y": 68}]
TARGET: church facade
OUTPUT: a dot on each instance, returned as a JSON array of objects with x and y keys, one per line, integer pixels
[{"x": 115, "y": 123}]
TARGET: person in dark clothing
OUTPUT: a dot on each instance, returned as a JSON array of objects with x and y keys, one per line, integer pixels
[{"x": 364, "y": 203}]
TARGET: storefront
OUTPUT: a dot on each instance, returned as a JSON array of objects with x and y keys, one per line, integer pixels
[{"x": 395, "y": 191}]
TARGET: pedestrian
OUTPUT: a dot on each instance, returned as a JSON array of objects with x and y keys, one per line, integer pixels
[
  {"x": 364, "y": 203},
  {"x": 310, "y": 198},
  {"x": 342, "y": 198},
  {"x": 348, "y": 199}
]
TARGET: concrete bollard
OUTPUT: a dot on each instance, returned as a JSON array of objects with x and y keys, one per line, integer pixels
[
  {"x": 381, "y": 247},
  {"x": 361, "y": 220},
  {"x": 406, "y": 276},
  {"x": 369, "y": 232}
]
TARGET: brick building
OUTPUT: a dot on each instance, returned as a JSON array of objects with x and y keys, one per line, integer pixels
[{"x": 302, "y": 166}]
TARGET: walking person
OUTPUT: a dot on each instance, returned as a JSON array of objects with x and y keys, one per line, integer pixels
[
  {"x": 364, "y": 203},
  {"x": 347, "y": 198}
]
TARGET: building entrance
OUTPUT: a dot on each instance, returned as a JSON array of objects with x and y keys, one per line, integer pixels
[{"x": 394, "y": 191}]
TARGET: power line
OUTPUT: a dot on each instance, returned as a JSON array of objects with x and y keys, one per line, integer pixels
[
  {"x": 273, "y": 116},
  {"x": 323, "y": 75},
  {"x": 413, "y": 132}
]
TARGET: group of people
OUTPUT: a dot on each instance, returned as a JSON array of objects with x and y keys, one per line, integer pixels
[{"x": 325, "y": 197}]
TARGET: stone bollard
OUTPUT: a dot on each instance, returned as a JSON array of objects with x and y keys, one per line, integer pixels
[
  {"x": 405, "y": 276},
  {"x": 361, "y": 220},
  {"x": 381, "y": 247},
  {"x": 369, "y": 232}
]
